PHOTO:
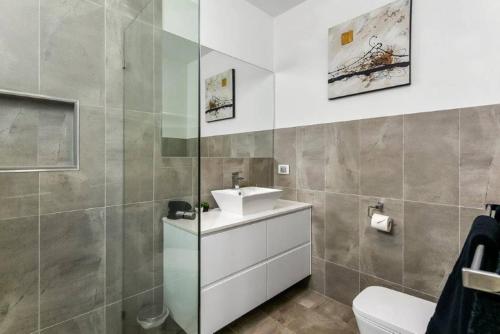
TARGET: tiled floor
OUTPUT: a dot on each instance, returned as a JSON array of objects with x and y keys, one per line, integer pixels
[{"x": 297, "y": 310}]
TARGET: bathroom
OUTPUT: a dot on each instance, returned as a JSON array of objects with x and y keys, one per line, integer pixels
[{"x": 249, "y": 166}]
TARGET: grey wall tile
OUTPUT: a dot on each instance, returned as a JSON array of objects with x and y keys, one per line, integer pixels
[
  {"x": 114, "y": 156},
  {"x": 75, "y": 190},
  {"x": 211, "y": 174},
  {"x": 121, "y": 318},
  {"x": 139, "y": 72},
  {"x": 19, "y": 275},
  {"x": 317, "y": 199},
  {"x": 366, "y": 281},
  {"x": 285, "y": 154},
  {"x": 467, "y": 217},
  {"x": 420, "y": 294},
  {"x": 18, "y": 195},
  {"x": 431, "y": 245},
  {"x": 381, "y": 157},
  {"x": 18, "y": 133},
  {"x": 129, "y": 250},
  {"x": 88, "y": 323},
  {"x": 219, "y": 146},
  {"x": 138, "y": 156},
  {"x": 311, "y": 157},
  {"x": 242, "y": 145},
  {"x": 173, "y": 182},
  {"x": 381, "y": 254},
  {"x": 231, "y": 165},
  {"x": 71, "y": 264},
  {"x": 19, "y": 40},
  {"x": 261, "y": 172},
  {"x": 480, "y": 156},
  {"x": 263, "y": 144},
  {"x": 288, "y": 193},
  {"x": 431, "y": 157},
  {"x": 129, "y": 7},
  {"x": 342, "y": 230},
  {"x": 72, "y": 50},
  {"x": 317, "y": 280},
  {"x": 342, "y": 157},
  {"x": 115, "y": 24},
  {"x": 341, "y": 284}
]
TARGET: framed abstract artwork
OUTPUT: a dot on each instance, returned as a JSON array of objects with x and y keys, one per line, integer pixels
[
  {"x": 370, "y": 52},
  {"x": 220, "y": 96}
]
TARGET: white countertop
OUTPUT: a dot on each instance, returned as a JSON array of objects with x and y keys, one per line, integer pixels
[{"x": 215, "y": 220}]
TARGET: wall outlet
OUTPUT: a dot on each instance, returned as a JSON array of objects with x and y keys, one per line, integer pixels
[{"x": 284, "y": 169}]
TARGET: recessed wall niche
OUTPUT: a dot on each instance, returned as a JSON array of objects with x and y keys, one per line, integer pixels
[{"x": 38, "y": 133}]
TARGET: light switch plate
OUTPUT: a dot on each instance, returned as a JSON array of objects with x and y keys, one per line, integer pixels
[{"x": 284, "y": 169}]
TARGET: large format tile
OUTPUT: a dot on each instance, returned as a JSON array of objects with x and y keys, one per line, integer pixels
[
  {"x": 211, "y": 174},
  {"x": 18, "y": 133},
  {"x": 130, "y": 7},
  {"x": 219, "y": 146},
  {"x": 71, "y": 264},
  {"x": 116, "y": 23},
  {"x": 467, "y": 216},
  {"x": 311, "y": 157},
  {"x": 173, "y": 182},
  {"x": 19, "y": 41},
  {"x": 72, "y": 50},
  {"x": 480, "y": 156},
  {"x": 86, "y": 324},
  {"x": 261, "y": 172},
  {"x": 139, "y": 65},
  {"x": 76, "y": 190},
  {"x": 263, "y": 144},
  {"x": 317, "y": 280},
  {"x": 242, "y": 145},
  {"x": 381, "y": 254},
  {"x": 317, "y": 199},
  {"x": 381, "y": 159},
  {"x": 121, "y": 317},
  {"x": 342, "y": 230},
  {"x": 366, "y": 281},
  {"x": 18, "y": 195},
  {"x": 138, "y": 133},
  {"x": 19, "y": 275},
  {"x": 230, "y": 166},
  {"x": 342, "y": 157},
  {"x": 341, "y": 284},
  {"x": 431, "y": 157},
  {"x": 114, "y": 156},
  {"x": 129, "y": 250},
  {"x": 431, "y": 245},
  {"x": 285, "y": 154}
]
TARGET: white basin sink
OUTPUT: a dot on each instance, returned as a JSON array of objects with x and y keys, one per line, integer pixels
[{"x": 245, "y": 201}]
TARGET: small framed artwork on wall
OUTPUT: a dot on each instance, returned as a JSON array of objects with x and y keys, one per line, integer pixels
[
  {"x": 220, "y": 96},
  {"x": 370, "y": 52}
]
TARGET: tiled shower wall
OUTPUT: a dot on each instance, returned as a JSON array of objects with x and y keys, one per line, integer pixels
[
  {"x": 61, "y": 260},
  {"x": 250, "y": 153},
  {"x": 434, "y": 172}
]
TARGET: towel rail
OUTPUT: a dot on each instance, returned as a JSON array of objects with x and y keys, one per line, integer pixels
[{"x": 477, "y": 279}]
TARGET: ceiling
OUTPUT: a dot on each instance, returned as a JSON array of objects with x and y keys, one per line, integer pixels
[{"x": 275, "y": 7}]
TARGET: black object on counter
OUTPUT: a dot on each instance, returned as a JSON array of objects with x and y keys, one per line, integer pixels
[{"x": 175, "y": 206}]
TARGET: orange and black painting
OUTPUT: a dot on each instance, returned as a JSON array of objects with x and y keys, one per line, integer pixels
[{"x": 370, "y": 52}]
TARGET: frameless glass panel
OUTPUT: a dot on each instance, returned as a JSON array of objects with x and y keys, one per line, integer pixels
[{"x": 158, "y": 224}]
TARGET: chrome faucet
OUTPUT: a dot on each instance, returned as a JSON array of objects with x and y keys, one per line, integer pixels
[{"x": 236, "y": 180}]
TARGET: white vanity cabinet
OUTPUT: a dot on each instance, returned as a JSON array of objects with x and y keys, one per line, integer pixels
[{"x": 245, "y": 265}]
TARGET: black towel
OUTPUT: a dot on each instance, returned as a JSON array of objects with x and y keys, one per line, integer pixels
[{"x": 453, "y": 313}]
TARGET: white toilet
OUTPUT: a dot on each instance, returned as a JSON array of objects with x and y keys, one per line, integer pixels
[{"x": 380, "y": 310}]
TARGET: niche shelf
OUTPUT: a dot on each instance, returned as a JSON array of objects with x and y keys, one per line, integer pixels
[{"x": 38, "y": 133}]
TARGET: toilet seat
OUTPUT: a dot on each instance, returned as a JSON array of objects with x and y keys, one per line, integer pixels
[{"x": 391, "y": 311}]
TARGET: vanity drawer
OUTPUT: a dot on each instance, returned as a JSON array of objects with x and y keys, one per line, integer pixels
[
  {"x": 229, "y": 299},
  {"x": 288, "y": 231},
  {"x": 287, "y": 269},
  {"x": 227, "y": 252}
]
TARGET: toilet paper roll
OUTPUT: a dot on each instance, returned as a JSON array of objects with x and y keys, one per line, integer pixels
[{"x": 381, "y": 222}]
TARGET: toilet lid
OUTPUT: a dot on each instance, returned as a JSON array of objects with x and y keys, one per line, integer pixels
[{"x": 396, "y": 311}]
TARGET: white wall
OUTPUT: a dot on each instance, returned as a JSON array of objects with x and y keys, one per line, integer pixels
[
  {"x": 238, "y": 29},
  {"x": 455, "y": 53},
  {"x": 254, "y": 96}
]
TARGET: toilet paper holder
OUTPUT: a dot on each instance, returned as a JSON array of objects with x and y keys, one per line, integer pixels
[{"x": 379, "y": 206}]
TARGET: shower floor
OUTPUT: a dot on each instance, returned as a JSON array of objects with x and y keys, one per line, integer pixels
[{"x": 297, "y": 310}]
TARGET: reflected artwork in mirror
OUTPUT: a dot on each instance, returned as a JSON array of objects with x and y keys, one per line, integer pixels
[{"x": 219, "y": 96}]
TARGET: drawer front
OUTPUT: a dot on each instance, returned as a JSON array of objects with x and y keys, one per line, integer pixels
[
  {"x": 229, "y": 299},
  {"x": 288, "y": 231},
  {"x": 227, "y": 252},
  {"x": 287, "y": 269}
]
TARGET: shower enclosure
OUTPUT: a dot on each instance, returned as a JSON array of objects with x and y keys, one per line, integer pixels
[{"x": 160, "y": 268}]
